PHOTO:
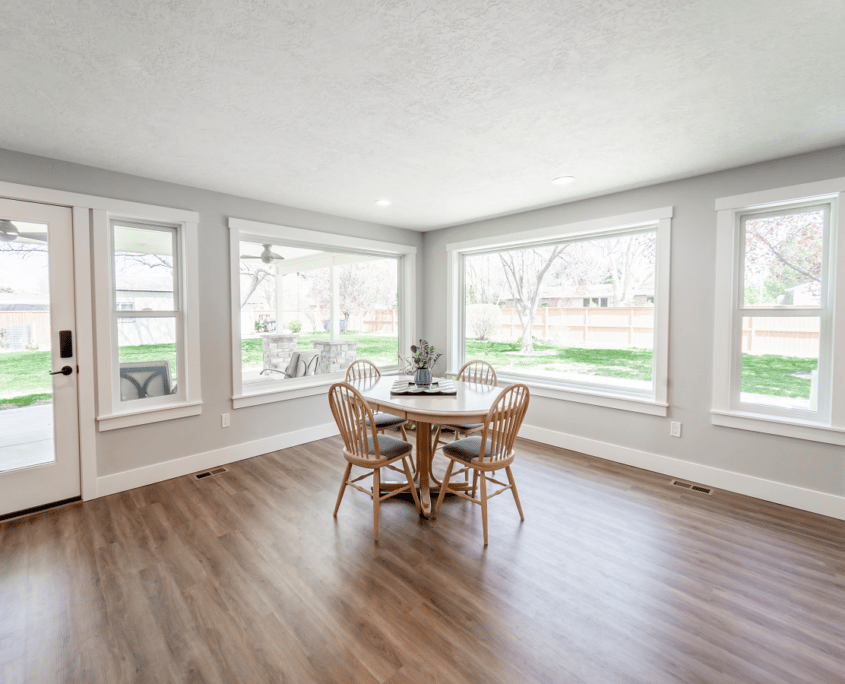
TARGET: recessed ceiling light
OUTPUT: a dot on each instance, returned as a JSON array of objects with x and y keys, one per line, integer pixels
[
  {"x": 563, "y": 180},
  {"x": 383, "y": 202}
]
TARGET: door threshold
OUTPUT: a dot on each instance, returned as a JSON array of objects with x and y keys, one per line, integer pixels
[{"x": 37, "y": 509}]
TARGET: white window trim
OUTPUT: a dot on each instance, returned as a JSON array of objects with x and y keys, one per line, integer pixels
[
  {"x": 112, "y": 413},
  {"x": 584, "y": 394},
  {"x": 256, "y": 231},
  {"x": 830, "y": 427}
]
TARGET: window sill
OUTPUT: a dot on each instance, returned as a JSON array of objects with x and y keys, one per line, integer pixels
[
  {"x": 774, "y": 425},
  {"x": 271, "y": 391},
  {"x": 157, "y": 414},
  {"x": 294, "y": 388},
  {"x": 592, "y": 396}
]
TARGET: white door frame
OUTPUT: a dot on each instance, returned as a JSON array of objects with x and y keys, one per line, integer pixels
[{"x": 81, "y": 206}]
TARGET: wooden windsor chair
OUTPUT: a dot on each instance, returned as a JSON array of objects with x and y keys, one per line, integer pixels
[
  {"x": 365, "y": 448},
  {"x": 479, "y": 372},
  {"x": 491, "y": 451},
  {"x": 362, "y": 370}
]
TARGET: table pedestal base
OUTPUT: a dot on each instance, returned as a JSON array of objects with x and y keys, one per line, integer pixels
[{"x": 428, "y": 485}]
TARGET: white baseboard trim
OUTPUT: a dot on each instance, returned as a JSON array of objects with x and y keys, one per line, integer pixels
[
  {"x": 830, "y": 505},
  {"x": 140, "y": 477}
]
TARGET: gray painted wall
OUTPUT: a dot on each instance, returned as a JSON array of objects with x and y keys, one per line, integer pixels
[
  {"x": 134, "y": 447},
  {"x": 811, "y": 465}
]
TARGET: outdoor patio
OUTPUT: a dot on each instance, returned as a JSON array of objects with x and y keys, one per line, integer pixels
[{"x": 26, "y": 436}]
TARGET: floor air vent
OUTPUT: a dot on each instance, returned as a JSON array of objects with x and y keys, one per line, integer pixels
[
  {"x": 209, "y": 473},
  {"x": 692, "y": 487}
]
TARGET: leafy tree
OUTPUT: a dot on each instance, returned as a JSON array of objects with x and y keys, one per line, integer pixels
[{"x": 782, "y": 252}]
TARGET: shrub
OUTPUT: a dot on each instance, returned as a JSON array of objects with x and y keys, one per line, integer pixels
[
  {"x": 295, "y": 326},
  {"x": 484, "y": 320}
]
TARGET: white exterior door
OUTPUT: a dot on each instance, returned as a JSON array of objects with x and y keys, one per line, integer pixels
[{"x": 39, "y": 423}]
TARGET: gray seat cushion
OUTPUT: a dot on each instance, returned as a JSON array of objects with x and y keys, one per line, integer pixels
[
  {"x": 465, "y": 426},
  {"x": 384, "y": 420},
  {"x": 466, "y": 449},
  {"x": 389, "y": 447}
]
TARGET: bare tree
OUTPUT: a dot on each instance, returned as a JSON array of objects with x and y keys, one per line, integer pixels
[
  {"x": 525, "y": 270},
  {"x": 631, "y": 260},
  {"x": 256, "y": 275},
  {"x": 485, "y": 283},
  {"x": 22, "y": 248}
]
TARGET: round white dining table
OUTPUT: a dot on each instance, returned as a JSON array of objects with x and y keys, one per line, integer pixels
[{"x": 469, "y": 405}]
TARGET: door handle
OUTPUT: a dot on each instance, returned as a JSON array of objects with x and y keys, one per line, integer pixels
[{"x": 67, "y": 370}]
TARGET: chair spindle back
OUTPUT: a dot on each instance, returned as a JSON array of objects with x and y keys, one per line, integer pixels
[
  {"x": 352, "y": 413},
  {"x": 479, "y": 372},
  {"x": 502, "y": 423},
  {"x": 362, "y": 370}
]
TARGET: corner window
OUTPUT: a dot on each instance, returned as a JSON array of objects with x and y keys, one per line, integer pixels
[
  {"x": 580, "y": 311},
  {"x": 306, "y": 305},
  {"x": 776, "y": 313},
  {"x": 148, "y": 365}
]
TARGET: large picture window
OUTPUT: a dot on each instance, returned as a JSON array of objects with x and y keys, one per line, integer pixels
[
  {"x": 306, "y": 309},
  {"x": 579, "y": 311},
  {"x": 575, "y": 311},
  {"x": 776, "y": 313}
]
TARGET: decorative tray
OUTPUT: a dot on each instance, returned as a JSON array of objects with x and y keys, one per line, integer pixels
[{"x": 438, "y": 387}]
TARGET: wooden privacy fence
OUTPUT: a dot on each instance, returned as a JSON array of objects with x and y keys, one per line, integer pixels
[
  {"x": 614, "y": 327},
  {"x": 784, "y": 336},
  {"x": 382, "y": 320},
  {"x": 619, "y": 327}
]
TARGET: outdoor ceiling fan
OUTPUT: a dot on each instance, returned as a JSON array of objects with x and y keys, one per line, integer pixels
[
  {"x": 9, "y": 233},
  {"x": 267, "y": 256}
]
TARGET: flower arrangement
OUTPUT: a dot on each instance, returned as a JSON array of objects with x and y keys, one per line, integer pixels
[{"x": 423, "y": 356}]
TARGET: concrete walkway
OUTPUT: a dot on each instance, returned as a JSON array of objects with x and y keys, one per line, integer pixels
[{"x": 26, "y": 437}]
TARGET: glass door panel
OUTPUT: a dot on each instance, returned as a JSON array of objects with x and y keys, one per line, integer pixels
[{"x": 26, "y": 388}]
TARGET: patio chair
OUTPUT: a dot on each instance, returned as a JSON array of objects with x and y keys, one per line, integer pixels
[
  {"x": 145, "y": 379},
  {"x": 300, "y": 365}
]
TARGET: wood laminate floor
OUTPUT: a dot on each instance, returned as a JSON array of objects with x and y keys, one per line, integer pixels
[{"x": 245, "y": 577}]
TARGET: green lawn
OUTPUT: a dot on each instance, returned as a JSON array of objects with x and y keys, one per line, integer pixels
[
  {"x": 151, "y": 352},
  {"x": 769, "y": 375},
  {"x": 24, "y": 376},
  {"x": 634, "y": 364},
  {"x": 773, "y": 375}
]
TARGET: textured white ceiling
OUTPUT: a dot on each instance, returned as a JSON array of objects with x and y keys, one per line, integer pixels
[{"x": 455, "y": 110}]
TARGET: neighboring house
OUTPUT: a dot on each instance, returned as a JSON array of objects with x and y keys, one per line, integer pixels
[
  {"x": 592, "y": 295},
  {"x": 144, "y": 293},
  {"x": 24, "y": 320},
  {"x": 802, "y": 295}
]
